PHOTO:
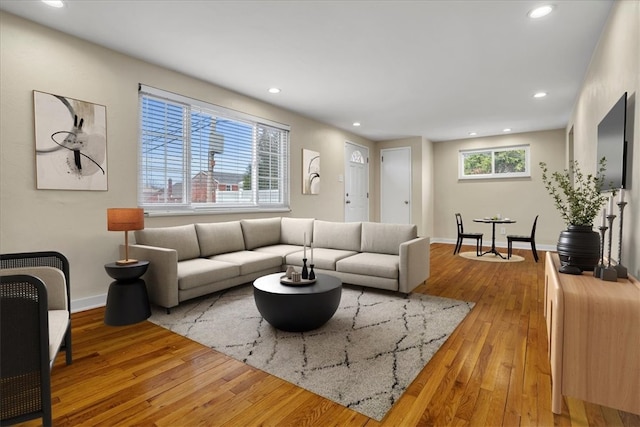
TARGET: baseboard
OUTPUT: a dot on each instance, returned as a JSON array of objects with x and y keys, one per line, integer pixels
[
  {"x": 499, "y": 244},
  {"x": 84, "y": 304}
]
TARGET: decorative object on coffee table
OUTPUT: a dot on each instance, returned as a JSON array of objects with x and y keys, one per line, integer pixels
[
  {"x": 297, "y": 308},
  {"x": 578, "y": 198}
]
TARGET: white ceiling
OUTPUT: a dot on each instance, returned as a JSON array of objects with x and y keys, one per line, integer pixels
[{"x": 437, "y": 69}]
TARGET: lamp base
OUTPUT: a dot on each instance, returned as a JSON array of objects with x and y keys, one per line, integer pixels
[{"x": 126, "y": 261}]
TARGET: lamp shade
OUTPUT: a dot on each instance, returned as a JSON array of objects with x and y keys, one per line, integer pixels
[{"x": 125, "y": 219}]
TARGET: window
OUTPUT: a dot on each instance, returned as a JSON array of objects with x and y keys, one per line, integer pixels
[
  {"x": 503, "y": 162},
  {"x": 198, "y": 156}
]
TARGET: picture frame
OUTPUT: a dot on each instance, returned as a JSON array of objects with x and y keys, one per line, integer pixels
[{"x": 70, "y": 143}]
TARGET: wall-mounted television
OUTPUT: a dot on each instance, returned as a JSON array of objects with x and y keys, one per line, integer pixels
[{"x": 612, "y": 144}]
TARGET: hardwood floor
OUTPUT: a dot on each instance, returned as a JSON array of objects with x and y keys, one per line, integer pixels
[{"x": 492, "y": 371}]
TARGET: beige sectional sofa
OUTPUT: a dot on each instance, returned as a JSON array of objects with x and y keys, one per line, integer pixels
[{"x": 197, "y": 259}]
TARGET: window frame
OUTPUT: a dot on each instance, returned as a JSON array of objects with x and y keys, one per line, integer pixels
[
  {"x": 258, "y": 125},
  {"x": 493, "y": 174}
]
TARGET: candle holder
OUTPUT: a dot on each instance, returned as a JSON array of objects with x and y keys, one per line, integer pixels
[
  {"x": 609, "y": 273},
  {"x": 621, "y": 269},
  {"x": 305, "y": 272},
  {"x": 312, "y": 275},
  {"x": 597, "y": 271}
]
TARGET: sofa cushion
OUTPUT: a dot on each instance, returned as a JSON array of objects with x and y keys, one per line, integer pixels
[
  {"x": 182, "y": 239},
  {"x": 260, "y": 232},
  {"x": 324, "y": 259},
  {"x": 219, "y": 238},
  {"x": 337, "y": 235},
  {"x": 281, "y": 250},
  {"x": 386, "y": 238},
  {"x": 370, "y": 264},
  {"x": 250, "y": 261},
  {"x": 293, "y": 230},
  {"x": 202, "y": 271}
]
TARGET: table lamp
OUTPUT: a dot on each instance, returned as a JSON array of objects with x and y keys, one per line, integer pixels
[{"x": 125, "y": 219}]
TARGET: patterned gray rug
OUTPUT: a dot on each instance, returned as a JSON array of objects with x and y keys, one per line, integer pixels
[{"x": 363, "y": 358}]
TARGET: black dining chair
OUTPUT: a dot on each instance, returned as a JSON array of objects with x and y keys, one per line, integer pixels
[
  {"x": 531, "y": 238},
  {"x": 463, "y": 235}
]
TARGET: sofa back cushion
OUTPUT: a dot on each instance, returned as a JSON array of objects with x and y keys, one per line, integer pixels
[
  {"x": 386, "y": 238},
  {"x": 260, "y": 232},
  {"x": 182, "y": 238},
  {"x": 293, "y": 230},
  {"x": 219, "y": 238},
  {"x": 337, "y": 235}
]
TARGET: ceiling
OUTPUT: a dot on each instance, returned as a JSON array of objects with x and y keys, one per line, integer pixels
[{"x": 437, "y": 69}]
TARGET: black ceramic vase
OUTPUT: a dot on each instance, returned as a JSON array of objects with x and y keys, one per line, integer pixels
[{"x": 578, "y": 249}]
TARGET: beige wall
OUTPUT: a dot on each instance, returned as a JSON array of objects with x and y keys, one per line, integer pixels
[
  {"x": 518, "y": 198},
  {"x": 33, "y": 57},
  {"x": 614, "y": 69}
]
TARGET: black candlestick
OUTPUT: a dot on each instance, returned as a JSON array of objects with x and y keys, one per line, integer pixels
[
  {"x": 621, "y": 269},
  {"x": 305, "y": 273},
  {"x": 597, "y": 271},
  {"x": 312, "y": 275},
  {"x": 609, "y": 273}
]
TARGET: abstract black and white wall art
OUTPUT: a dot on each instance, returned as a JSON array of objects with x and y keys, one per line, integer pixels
[
  {"x": 310, "y": 172},
  {"x": 71, "y": 143}
]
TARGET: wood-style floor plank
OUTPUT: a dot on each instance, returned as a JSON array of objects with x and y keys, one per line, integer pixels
[{"x": 493, "y": 370}]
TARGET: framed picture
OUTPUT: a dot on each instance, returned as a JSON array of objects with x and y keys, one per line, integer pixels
[
  {"x": 310, "y": 172},
  {"x": 71, "y": 143}
]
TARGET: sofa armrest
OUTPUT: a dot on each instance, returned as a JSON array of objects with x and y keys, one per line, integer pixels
[
  {"x": 161, "y": 277},
  {"x": 414, "y": 263}
]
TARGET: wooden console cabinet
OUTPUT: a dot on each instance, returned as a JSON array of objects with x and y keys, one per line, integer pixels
[{"x": 593, "y": 328}]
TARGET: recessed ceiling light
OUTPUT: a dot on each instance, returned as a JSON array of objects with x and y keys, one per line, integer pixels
[
  {"x": 473, "y": 133},
  {"x": 274, "y": 90},
  {"x": 506, "y": 130},
  {"x": 356, "y": 123},
  {"x": 53, "y": 3},
  {"x": 541, "y": 11},
  {"x": 540, "y": 94}
]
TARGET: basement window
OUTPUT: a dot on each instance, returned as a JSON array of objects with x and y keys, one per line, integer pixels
[
  {"x": 199, "y": 157},
  {"x": 500, "y": 162}
]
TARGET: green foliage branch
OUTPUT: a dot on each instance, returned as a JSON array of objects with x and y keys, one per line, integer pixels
[{"x": 578, "y": 202}]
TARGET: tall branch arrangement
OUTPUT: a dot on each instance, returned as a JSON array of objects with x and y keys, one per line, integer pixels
[{"x": 578, "y": 202}]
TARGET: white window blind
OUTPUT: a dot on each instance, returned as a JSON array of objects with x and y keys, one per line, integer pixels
[{"x": 198, "y": 156}]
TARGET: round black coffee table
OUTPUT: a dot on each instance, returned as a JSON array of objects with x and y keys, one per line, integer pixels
[{"x": 297, "y": 308}]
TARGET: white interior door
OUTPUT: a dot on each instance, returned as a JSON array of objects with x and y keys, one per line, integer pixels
[
  {"x": 395, "y": 185},
  {"x": 356, "y": 183}
]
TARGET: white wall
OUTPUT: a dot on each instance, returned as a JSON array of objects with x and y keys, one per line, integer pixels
[
  {"x": 614, "y": 69},
  {"x": 517, "y": 198},
  {"x": 33, "y": 57}
]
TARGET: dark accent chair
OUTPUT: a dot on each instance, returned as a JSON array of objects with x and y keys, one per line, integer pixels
[
  {"x": 531, "y": 239},
  {"x": 30, "y": 283},
  {"x": 25, "y": 383},
  {"x": 27, "y": 260},
  {"x": 463, "y": 235}
]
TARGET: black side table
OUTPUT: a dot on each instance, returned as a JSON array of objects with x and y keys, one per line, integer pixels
[{"x": 127, "y": 300}]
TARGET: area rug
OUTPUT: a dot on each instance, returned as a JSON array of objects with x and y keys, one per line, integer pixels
[
  {"x": 363, "y": 358},
  {"x": 491, "y": 257}
]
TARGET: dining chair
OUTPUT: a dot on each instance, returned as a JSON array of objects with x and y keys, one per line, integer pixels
[
  {"x": 463, "y": 235},
  {"x": 531, "y": 239}
]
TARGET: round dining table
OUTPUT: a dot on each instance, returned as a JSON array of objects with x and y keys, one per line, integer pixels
[{"x": 493, "y": 222}]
